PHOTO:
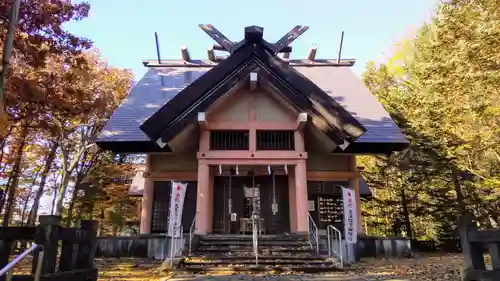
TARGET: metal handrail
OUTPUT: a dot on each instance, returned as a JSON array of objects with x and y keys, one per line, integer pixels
[
  {"x": 192, "y": 232},
  {"x": 313, "y": 231},
  {"x": 333, "y": 233},
  {"x": 8, "y": 268},
  {"x": 255, "y": 234},
  {"x": 255, "y": 240}
]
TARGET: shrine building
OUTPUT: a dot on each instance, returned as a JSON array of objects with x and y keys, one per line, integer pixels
[{"x": 251, "y": 123}]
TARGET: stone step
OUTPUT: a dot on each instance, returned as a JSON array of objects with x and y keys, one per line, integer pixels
[
  {"x": 250, "y": 254},
  {"x": 236, "y": 237},
  {"x": 250, "y": 261},
  {"x": 249, "y": 249},
  {"x": 250, "y": 242},
  {"x": 261, "y": 268},
  {"x": 301, "y": 256}
]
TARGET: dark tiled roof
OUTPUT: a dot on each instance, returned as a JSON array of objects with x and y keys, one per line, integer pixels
[
  {"x": 150, "y": 93},
  {"x": 350, "y": 92},
  {"x": 159, "y": 85}
]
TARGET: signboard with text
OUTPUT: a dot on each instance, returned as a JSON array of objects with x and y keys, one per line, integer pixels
[
  {"x": 178, "y": 192},
  {"x": 350, "y": 215}
]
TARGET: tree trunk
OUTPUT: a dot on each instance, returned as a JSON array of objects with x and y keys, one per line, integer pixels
[
  {"x": 81, "y": 174},
  {"x": 458, "y": 190},
  {"x": 61, "y": 191},
  {"x": 15, "y": 174},
  {"x": 90, "y": 206},
  {"x": 53, "y": 210},
  {"x": 493, "y": 220},
  {"x": 72, "y": 202},
  {"x": 28, "y": 195},
  {"x": 406, "y": 213},
  {"x": 101, "y": 219},
  {"x": 43, "y": 180},
  {"x": 3, "y": 141},
  {"x": 25, "y": 208}
]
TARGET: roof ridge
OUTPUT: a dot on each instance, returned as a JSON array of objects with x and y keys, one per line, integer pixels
[{"x": 153, "y": 63}]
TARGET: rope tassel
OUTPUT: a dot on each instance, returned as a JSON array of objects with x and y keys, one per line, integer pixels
[
  {"x": 286, "y": 169},
  {"x": 220, "y": 169}
]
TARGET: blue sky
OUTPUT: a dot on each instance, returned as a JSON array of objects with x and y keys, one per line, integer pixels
[{"x": 124, "y": 30}]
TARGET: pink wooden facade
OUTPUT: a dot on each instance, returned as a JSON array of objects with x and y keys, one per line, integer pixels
[{"x": 252, "y": 111}]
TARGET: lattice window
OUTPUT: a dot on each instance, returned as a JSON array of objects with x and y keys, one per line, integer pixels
[
  {"x": 229, "y": 140},
  {"x": 161, "y": 202},
  {"x": 161, "y": 206},
  {"x": 275, "y": 140}
]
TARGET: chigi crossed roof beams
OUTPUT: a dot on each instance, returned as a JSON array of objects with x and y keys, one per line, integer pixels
[{"x": 245, "y": 56}]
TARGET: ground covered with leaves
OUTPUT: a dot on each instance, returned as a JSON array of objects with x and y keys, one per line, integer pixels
[
  {"x": 444, "y": 267},
  {"x": 429, "y": 267}
]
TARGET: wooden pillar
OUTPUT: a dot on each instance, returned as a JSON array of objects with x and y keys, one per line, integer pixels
[
  {"x": 5, "y": 249},
  {"x": 48, "y": 237},
  {"x": 298, "y": 137},
  {"x": 147, "y": 200},
  {"x": 210, "y": 209},
  {"x": 297, "y": 183},
  {"x": 252, "y": 134},
  {"x": 301, "y": 197},
  {"x": 203, "y": 200},
  {"x": 67, "y": 259},
  {"x": 87, "y": 248},
  {"x": 146, "y": 206},
  {"x": 473, "y": 254},
  {"x": 354, "y": 184},
  {"x": 291, "y": 199}
]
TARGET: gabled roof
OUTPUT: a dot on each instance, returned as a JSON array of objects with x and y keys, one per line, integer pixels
[
  {"x": 122, "y": 133},
  {"x": 328, "y": 116},
  {"x": 383, "y": 135},
  {"x": 164, "y": 89}
]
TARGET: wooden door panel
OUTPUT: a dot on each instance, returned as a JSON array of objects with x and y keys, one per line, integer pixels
[
  {"x": 225, "y": 188},
  {"x": 189, "y": 210},
  {"x": 219, "y": 205},
  {"x": 279, "y": 222}
]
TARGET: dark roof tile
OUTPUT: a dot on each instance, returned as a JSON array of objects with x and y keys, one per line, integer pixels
[
  {"x": 150, "y": 93},
  {"x": 350, "y": 92}
]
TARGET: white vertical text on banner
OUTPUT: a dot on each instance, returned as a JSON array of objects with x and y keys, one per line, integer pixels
[
  {"x": 177, "y": 194},
  {"x": 350, "y": 215}
]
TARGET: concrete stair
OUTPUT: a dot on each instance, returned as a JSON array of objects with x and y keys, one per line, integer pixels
[{"x": 234, "y": 253}]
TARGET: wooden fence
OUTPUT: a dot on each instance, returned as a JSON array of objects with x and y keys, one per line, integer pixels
[
  {"x": 474, "y": 242},
  {"x": 155, "y": 246},
  {"x": 124, "y": 246},
  {"x": 75, "y": 245}
]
